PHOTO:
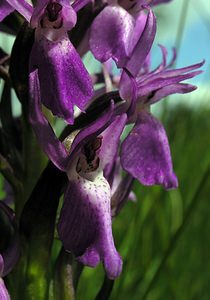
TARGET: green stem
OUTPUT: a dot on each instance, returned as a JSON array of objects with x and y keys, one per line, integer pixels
[
  {"x": 106, "y": 289},
  {"x": 178, "y": 232},
  {"x": 63, "y": 281}
]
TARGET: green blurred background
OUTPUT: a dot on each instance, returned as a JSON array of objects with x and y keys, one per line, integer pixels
[{"x": 164, "y": 238}]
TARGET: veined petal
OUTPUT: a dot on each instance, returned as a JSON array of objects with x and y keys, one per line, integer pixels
[
  {"x": 85, "y": 226},
  {"x": 145, "y": 153},
  {"x": 50, "y": 144},
  {"x": 23, "y": 7},
  {"x": 111, "y": 33},
  {"x": 5, "y": 9},
  {"x": 140, "y": 23},
  {"x": 110, "y": 144},
  {"x": 160, "y": 83},
  {"x": 4, "y": 295},
  {"x": 179, "y": 88},
  {"x": 143, "y": 46},
  {"x": 64, "y": 81},
  {"x": 168, "y": 73}
]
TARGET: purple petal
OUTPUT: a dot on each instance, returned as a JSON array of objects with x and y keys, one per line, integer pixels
[
  {"x": 5, "y": 9},
  {"x": 23, "y": 7},
  {"x": 68, "y": 14},
  {"x": 90, "y": 132},
  {"x": 4, "y": 295},
  {"x": 69, "y": 84},
  {"x": 110, "y": 144},
  {"x": 111, "y": 33},
  {"x": 140, "y": 23},
  {"x": 179, "y": 88},
  {"x": 169, "y": 73},
  {"x": 85, "y": 226},
  {"x": 160, "y": 83},
  {"x": 50, "y": 144},
  {"x": 79, "y": 4},
  {"x": 143, "y": 46},
  {"x": 145, "y": 153}
]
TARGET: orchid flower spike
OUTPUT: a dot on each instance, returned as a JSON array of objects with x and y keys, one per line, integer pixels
[{"x": 145, "y": 153}]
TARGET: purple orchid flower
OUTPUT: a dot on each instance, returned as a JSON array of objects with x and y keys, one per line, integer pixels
[
  {"x": 145, "y": 153},
  {"x": 85, "y": 225},
  {"x": 64, "y": 81},
  {"x": 4, "y": 295},
  {"x": 117, "y": 34},
  {"x": 10, "y": 255}
]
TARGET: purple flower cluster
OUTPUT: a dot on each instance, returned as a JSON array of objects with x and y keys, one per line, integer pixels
[{"x": 93, "y": 157}]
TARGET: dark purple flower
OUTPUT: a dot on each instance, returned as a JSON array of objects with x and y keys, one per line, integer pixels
[
  {"x": 64, "y": 81},
  {"x": 145, "y": 153},
  {"x": 85, "y": 225}
]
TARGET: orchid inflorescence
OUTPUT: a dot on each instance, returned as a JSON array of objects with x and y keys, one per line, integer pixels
[{"x": 90, "y": 152}]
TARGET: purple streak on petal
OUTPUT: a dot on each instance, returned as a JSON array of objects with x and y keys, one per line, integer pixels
[
  {"x": 110, "y": 144},
  {"x": 145, "y": 79},
  {"x": 1, "y": 265},
  {"x": 91, "y": 132},
  {"x": 5, "y": 9},
  {"x": 4, "y": 295},
  {"x": 146, "y": 154},
  {"x": 162, "y": 82},
  {"x": 85, "y": 226},
  {"x": 79, "y": 4},
  {"x": 143, "y": 46},
  {"x": 179, "y": 88},
  {"x": 175, "y": 72},
  {"x": 138, "y": 30},
  {"x": 64, "y": 81},
  {"x": 23, "y": 7},
  {"x": 111, "y": 33},
  {"x": 11, "y": 254},
  {"x": 50, "y": 144}
]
